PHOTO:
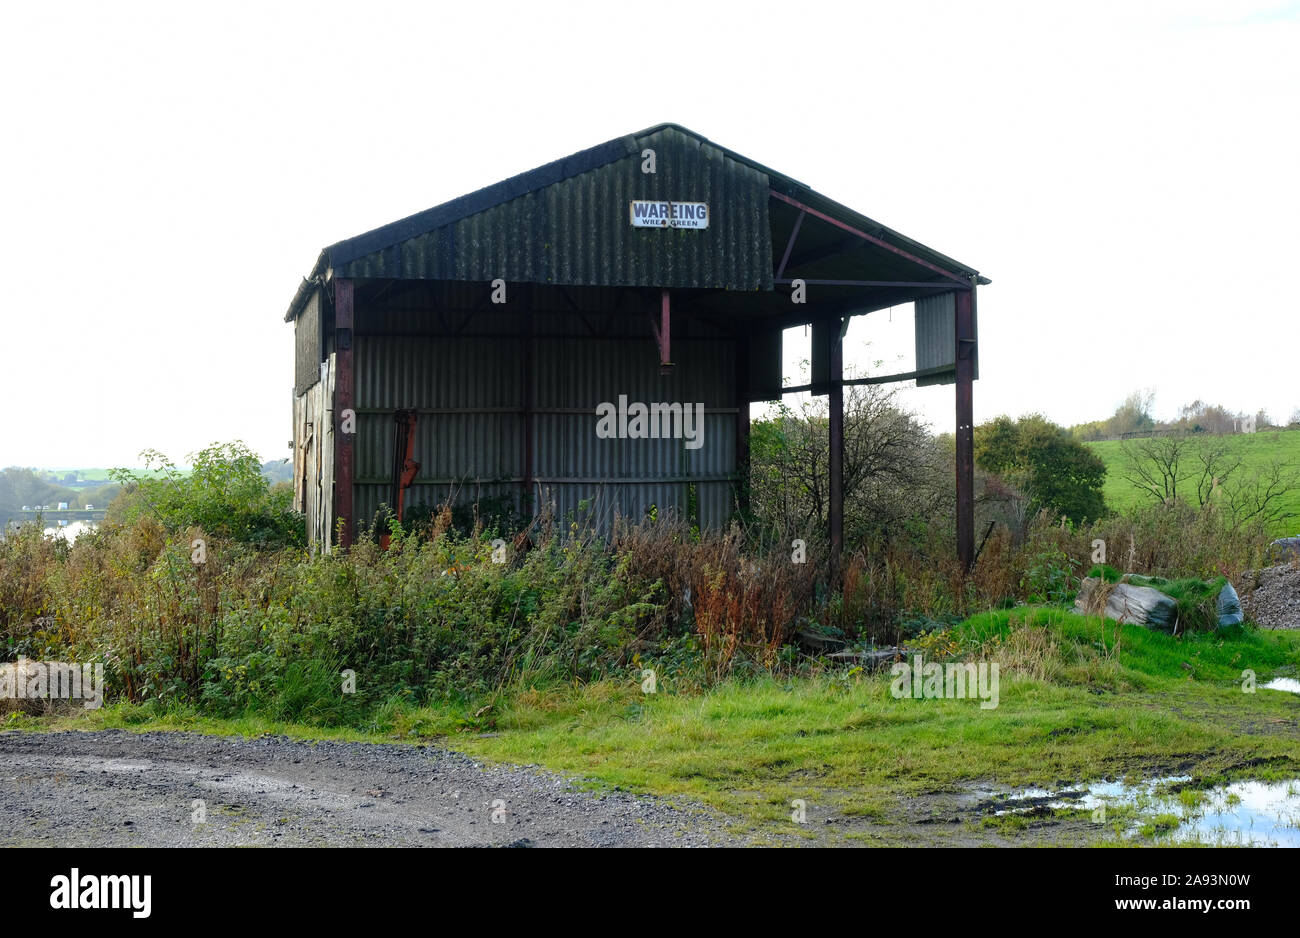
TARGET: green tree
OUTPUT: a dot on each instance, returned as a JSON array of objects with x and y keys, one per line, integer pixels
[
  {"x": 1133, "y": 415},
  {"x": 224, "y": 493},
  {"x": 1044, "y": 460}
]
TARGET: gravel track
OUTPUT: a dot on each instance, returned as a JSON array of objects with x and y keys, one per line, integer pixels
[{"x": 113, "y": 788}]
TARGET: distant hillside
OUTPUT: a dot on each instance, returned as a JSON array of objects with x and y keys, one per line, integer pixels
[
  {"x": 86, "y": 476},
  {"x": 278, "y": 470},
  {"x": 1255, "y": 449},
  {"x": 275, "y": 470}
]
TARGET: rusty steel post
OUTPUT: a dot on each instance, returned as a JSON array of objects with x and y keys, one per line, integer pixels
[
  {"x": 344, "y": 399},
  {"x": 742, "y": 427},
  {"x": 965, "y": 345},
  {"x": 836, "y": 404},
  {"x": 665, "y": 333}
]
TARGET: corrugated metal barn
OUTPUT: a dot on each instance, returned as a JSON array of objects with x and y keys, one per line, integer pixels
[{"x": 465, "y": 352}]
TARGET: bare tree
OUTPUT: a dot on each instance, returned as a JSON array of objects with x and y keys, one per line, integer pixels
[
  {"x": 1214, "y": 465},
  {"x": 1257, "y": 497},
  {"x": 1159, "y": 465},
  {"x": 893, "y": 469},
  {"x": 1203, "y": 471}
]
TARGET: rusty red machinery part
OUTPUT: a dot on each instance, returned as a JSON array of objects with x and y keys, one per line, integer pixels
[{"x": 405, "y": 468}]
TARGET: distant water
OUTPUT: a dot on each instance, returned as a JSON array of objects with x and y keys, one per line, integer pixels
[{"x": 70, "y": 531}]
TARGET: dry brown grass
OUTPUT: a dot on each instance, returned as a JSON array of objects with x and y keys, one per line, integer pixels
[{"x": 744, "y": 603}]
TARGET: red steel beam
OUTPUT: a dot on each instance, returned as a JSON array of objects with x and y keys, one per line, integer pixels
[
  {"x": 946, "y": 287},
  {"x": 866, "y": 237},
  {"x": 789, "y": 246},
  {"x": 878, "y": 379},
  {"x": 965, "y": 342},
  {"x": 344, "y": 399},
  {"x": 836, "y": 402}
]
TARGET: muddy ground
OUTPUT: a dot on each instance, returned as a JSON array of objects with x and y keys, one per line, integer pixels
[{"x": 113, "y": 788}]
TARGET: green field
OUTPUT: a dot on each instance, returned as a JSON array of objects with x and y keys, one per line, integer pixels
[
  {"x": 89, "y": 475},
  {"x": 101, "y": 475},
  {"x": 1256, "y": 451}
]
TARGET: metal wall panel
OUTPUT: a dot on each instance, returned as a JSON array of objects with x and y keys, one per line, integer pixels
[
  {"x": 468, "y": 452},
  {"x": 370, "y": 498},
  {"x": 936, "y": 337},
  {"x": 470, "y": 431},
  {"x": 401, "y": 372},
  {"x": 307, "y": 330}
]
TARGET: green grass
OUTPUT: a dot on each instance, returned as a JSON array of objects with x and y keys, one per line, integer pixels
[
  {"x": 1108, "y": 701},
  {"x": 1160, "y": 824},
  {"x": 1256, "y": 450}
]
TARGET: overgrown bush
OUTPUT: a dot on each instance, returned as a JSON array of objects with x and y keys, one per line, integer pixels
[
  {"x": 252, "y": 629},
  {"x": 224, "y": 493}
]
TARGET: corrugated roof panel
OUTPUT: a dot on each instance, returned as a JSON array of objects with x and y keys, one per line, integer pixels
[{"x": 577, "y": 230}]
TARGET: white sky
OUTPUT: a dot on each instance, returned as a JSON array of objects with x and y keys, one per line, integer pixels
[{"x": 1125, "y": 173}]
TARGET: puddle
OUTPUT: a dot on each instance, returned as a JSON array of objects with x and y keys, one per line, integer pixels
[
  {"x": 1165, "y": 810},
  {"x": 1289, "y": 684}
]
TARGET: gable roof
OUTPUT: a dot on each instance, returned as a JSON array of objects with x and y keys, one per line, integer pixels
[{"x": 565, "y": 223}]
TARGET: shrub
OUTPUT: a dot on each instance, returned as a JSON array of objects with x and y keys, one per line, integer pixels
[{"x": 224, "y": 493}]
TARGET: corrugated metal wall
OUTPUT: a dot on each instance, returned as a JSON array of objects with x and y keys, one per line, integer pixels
[
  {"x": 630, "y": 475},
  {"x": 936, "y": 337},
  {"x": 470, "y": 435}
]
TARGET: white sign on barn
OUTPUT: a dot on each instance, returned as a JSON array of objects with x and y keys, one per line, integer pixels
[{"x": 647, "y": 213}]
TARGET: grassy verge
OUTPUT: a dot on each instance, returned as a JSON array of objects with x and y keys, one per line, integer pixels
[{"x": 1080, "y": 699}]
